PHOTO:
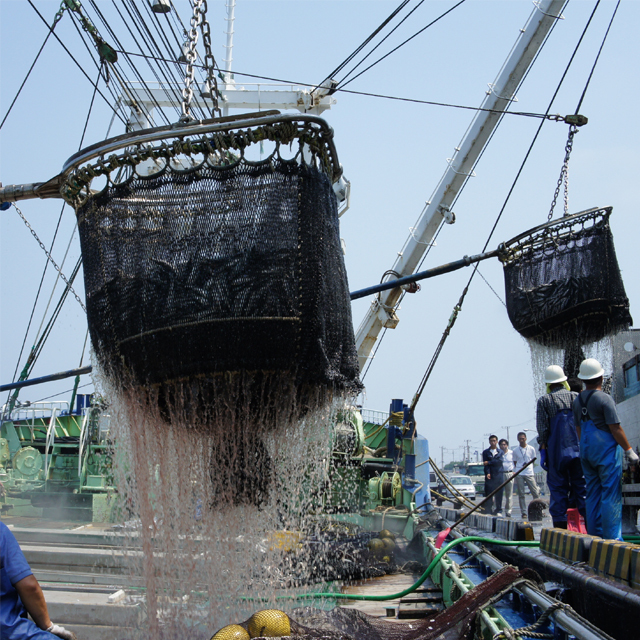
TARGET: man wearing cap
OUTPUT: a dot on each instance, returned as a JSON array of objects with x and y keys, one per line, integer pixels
[
  {"x": 559, "y": 448},
  {"x": 601, "y": 437}
]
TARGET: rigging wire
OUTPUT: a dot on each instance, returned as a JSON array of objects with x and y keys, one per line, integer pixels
[
  {"x": 116, "y": 68},
  {"x": 86, "y": 75},
  {"x": 595, "y": 62},
  {"x": 386, "y": 55},
  {"x": 113, "y": 35},
  {"x": 128, "y": 58},
  {"x": 367, "y": 40},
  {"x": 62, "y": 393},
  {"x": 89, "y": 44},
  {"x": 384, "y": 39},
  {"x": 503, "y": 113},
  {"x": 458, "y": 306},
  {"x": 526, "y": 114},
  {"x": 35, "y": 351},
  {"x": 51, "y": 28},
  {"x": 493, "y": 133},
  {"x": 163, "y": 69}
]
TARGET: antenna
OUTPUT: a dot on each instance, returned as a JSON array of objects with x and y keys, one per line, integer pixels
[{"x": 231, "y": 5}]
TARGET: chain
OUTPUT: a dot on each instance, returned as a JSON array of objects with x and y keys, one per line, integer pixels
[
  {"x": 190, "y": 55},
  {"x": 209, "y": 61},
  {"x": 564, "y": 175},
  {"x": 53, "y": 262}
]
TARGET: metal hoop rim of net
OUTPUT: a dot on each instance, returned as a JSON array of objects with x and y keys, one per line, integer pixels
[
  {"x": 206, "y": 137},
  {"x": 551, "y": 232}
]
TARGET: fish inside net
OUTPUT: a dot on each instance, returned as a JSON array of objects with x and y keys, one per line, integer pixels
[
  {"x": 234, "y": 267},
  {"x": 563, "y": 284}
]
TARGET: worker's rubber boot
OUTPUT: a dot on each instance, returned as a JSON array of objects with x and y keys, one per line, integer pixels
[{"x": 560, "y": 524}]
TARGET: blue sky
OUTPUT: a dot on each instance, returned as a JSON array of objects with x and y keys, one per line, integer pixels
[{"x": 393, "y": 153}]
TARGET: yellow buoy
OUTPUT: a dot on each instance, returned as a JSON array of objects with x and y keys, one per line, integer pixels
[
  {"x": 388, "y": 545},
  {"x": 385, "y": 533},
  {"x": 376, "y": 546},
  {"x": 232, "y": 632},
  {"x": 269, "y": 622}
]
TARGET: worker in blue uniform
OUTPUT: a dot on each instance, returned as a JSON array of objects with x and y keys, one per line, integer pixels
[
  {"x": 21, "y": 597},
  {"x": 559, "y": 447},
  {"x": 602, "y": 443}
]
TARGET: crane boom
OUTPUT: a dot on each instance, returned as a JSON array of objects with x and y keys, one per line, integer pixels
[{"x": 382, "y": 311}]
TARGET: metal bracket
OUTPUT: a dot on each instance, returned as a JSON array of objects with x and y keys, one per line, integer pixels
[
  {"x": 491, "y": 86},
  {"x": 469, "y": 175},
  {"x": 412, "y": 233},
  {"x": 536, "y": 4}
]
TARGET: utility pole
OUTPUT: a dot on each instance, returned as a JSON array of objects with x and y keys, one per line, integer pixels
[
  {"x": 467, "y": 457},
  {"x": 442, "y": 457}
]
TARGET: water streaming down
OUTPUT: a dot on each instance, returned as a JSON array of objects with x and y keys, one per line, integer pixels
[
  {"x": 207, "y": 499},
  {"x": 542, "y": 357},
  {"x": 219, "y": 313}
]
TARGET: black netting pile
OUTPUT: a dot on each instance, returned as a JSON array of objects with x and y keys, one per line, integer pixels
[
  {"x": 563, "y": 285},
  {"x": 224, "y": 269},
  {"x": 458, "y": 622}
]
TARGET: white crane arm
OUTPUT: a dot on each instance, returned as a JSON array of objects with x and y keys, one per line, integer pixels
[{"x": 500, "y": 94}]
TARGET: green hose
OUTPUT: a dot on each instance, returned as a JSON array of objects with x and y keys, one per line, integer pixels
[{"x": 412, "y": 588}]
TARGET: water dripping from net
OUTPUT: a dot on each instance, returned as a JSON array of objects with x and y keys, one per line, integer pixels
[{"x": 212, "y": 500}]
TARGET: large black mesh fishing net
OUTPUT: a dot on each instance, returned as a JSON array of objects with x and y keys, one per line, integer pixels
[
  {"x": 563, "y": 284},
  {"x": 224, "y": 269},
  {"x": 458, "y": 622}
]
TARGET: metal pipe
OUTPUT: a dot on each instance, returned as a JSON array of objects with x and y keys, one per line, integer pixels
[
  {"x": 15, "y": 192},
  {"x": 570, "y": 621},
  {"x": 231, "y": 5},
  {"x": 192, "y": 129},
  {"x": 422, "y": 275},
  {"x": 54, "y": 376}
]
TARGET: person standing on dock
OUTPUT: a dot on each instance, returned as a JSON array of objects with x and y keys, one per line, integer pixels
[
  {"x": 21, "y": 596},
  {"x": 559, "y": 447},
  {"x": 507, "y": 474},
  {"x": 522, "y": 455},
  {"x": 600, "y": 433},
  {"x": 492, "y": 459}
]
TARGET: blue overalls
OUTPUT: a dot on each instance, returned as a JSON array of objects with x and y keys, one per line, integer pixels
[
  {"x": 602, "y": 465},
  {"x": 564, "y": 477}
]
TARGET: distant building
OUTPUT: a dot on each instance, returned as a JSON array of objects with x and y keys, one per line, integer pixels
[{"x": 626, "y": 382}]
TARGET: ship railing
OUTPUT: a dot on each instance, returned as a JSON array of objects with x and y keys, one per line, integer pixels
[
  {"x": 51, "y": 438},
  {"x": 39, "y": 410},
  {"x": 374, "y": 417}
]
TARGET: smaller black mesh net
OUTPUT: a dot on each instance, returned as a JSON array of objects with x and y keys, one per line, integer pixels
[
  {"x": 220, "y": 270},
  {"x": 563, "y": 284}
]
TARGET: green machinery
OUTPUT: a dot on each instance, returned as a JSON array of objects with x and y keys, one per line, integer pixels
[
  {"x": 372, "y": 467},
  {"x": 56, "y": 462}
]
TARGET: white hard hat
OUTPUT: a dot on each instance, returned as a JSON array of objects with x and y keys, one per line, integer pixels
[
  {"x": 590, "y": 369},
  {"x": 554, "y": 374}
]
